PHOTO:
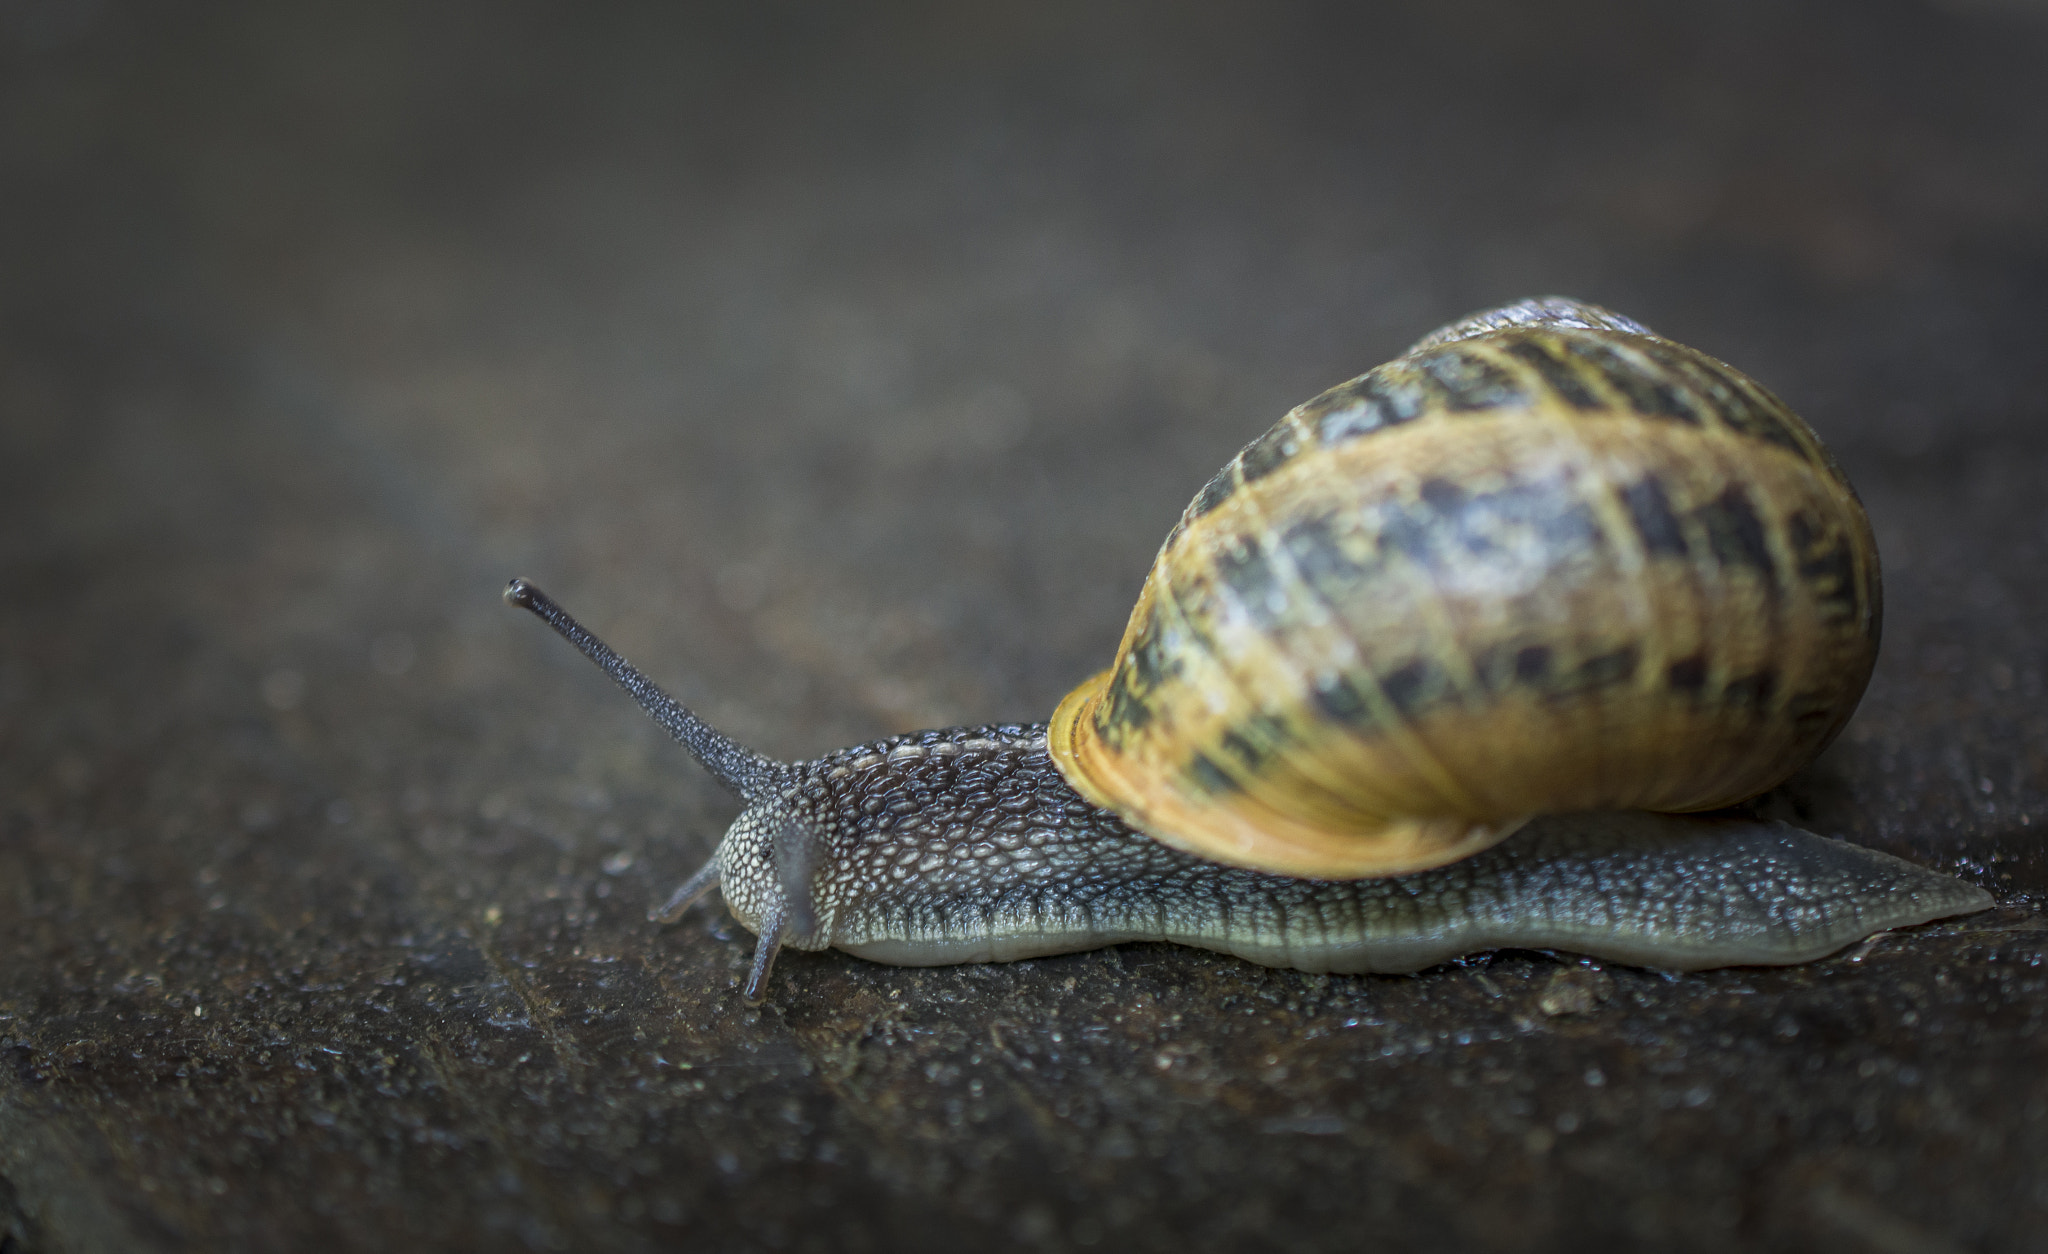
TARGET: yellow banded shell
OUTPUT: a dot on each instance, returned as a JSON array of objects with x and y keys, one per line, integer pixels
[{"x": 1545, "y": 561}]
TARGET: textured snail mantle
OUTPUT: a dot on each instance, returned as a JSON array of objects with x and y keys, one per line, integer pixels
[{"x": 1428, "y": 668}]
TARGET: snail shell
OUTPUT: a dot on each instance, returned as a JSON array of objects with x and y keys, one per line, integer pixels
[
  {"x": 1544, "y": 564},
  {"x": 1546, "y": 561}
]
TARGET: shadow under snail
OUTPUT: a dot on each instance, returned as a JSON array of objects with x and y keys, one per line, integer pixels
[{"x": 1436, "y": 665}]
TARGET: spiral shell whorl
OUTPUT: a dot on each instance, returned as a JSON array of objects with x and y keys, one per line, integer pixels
[
  {"x": 1556, "y": 312},
  {"x": 1545, "y": 561}
]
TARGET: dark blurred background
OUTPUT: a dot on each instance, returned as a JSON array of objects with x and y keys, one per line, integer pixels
[{"x": 845, "y": 367}]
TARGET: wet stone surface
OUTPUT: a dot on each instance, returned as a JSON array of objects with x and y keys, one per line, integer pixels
[{"x": 846, "y": 372}]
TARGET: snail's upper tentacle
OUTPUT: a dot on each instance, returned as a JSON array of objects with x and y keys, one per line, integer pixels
[
  {"x": 692, "y": 891},
  {"x": 739, "y": 768}
]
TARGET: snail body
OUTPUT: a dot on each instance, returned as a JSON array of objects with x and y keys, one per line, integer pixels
[
  {"x": 967, "y": 845},
  {"x": 1422, "y": 671}
]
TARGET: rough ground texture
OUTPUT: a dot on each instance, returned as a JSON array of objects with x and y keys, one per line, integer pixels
[{"x": 846, "y": 369}]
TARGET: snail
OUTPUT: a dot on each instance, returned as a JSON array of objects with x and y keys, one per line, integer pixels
[{"x": 1441, "y": 663}]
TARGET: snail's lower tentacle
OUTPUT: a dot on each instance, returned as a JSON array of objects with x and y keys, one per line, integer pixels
[
  {"x": 692, "y": 891},
  {"x": 773, "y": 928}
]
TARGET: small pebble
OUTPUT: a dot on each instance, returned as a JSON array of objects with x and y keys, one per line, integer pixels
[{"x": 1574, "y": 991}]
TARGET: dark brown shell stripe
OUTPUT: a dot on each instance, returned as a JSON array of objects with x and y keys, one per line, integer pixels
[
  {"x": 1592, "y": 371},
  {"x": 1590, "y": 376},
  {"x": 1405, "y": 690}
]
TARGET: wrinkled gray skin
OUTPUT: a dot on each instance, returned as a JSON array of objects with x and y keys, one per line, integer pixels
[{"x": 966, "y": 845}]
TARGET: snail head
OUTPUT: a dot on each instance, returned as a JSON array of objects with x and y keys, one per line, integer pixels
[{"x": 768, "y": 862}]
